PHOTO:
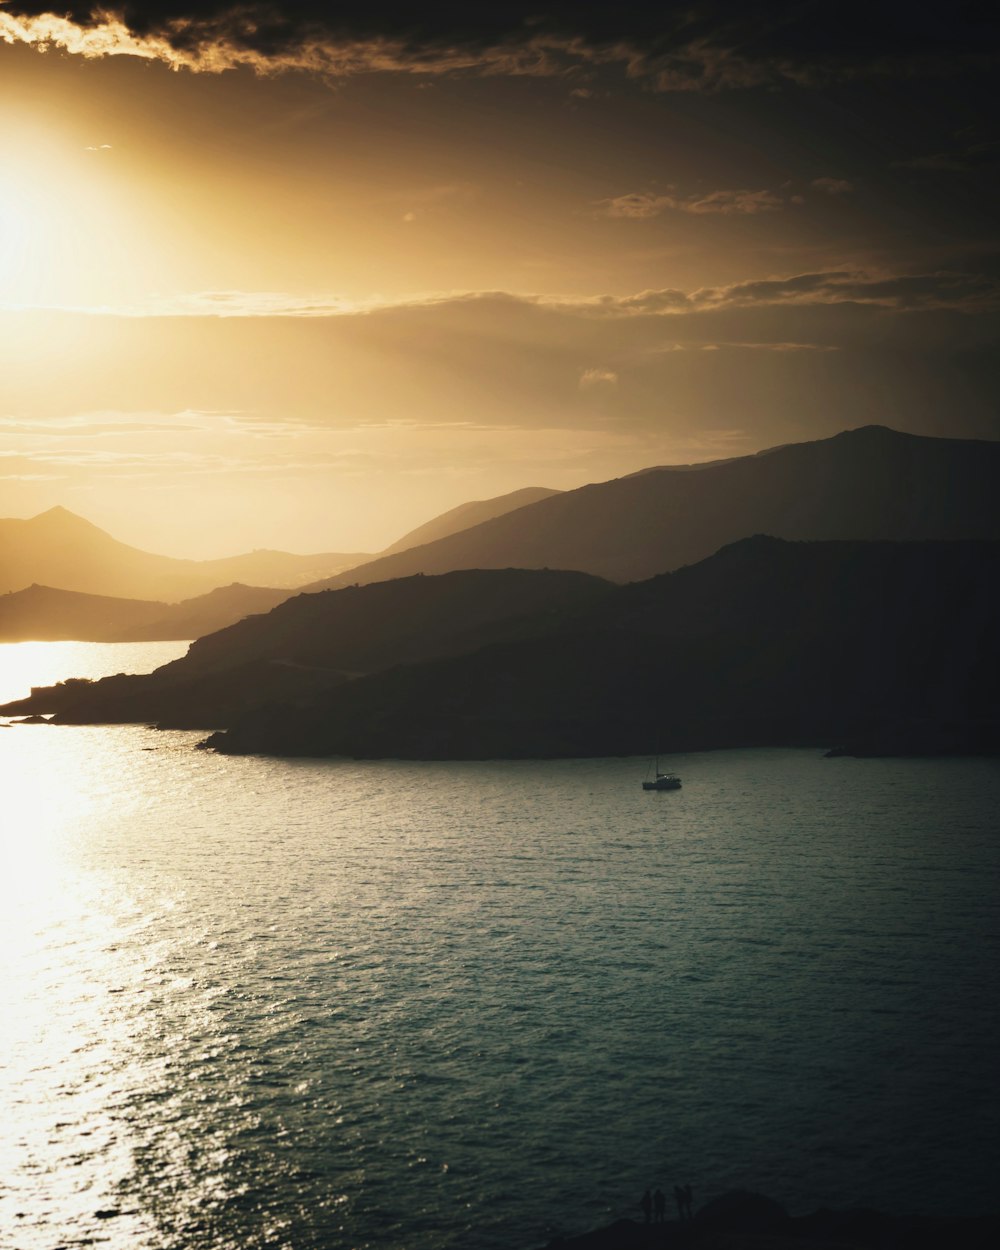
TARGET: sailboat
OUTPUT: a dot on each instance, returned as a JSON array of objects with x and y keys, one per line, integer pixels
[{"x": 661, "y": 781}]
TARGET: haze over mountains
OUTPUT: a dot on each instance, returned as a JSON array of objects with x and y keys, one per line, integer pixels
[
  {"x": 869, "y": 483},
  {"x": 63, "y": 551},
  {"x": 41, "y": 613},
  {"x": 466, "y": 515},
  {"x": 96, "y": 589}
]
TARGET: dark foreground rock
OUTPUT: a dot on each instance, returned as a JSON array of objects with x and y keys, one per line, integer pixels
[{"x": 747, "y": 1221}]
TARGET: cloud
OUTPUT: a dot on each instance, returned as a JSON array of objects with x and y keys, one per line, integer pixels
[
  {"x": 645, "y": 204},
  {"x": 597, "y": 379},
  {"x": 972, "y": 293},
  {"x": 833, "y": 186},
  {"x": 699, "y": 45},
  {"x": 963, "y": 160},
  {"x": 242, "y": 304},
  {"x": 98, "y": 147},
  {"x": 458, "y": 374},
  {"x": 637, "y": 204},
  {"x": 96, "y": 424},
  {"x": 942, "y": 290},
  {"x": 730, "y": 202},
  {"x": 437, "y": 193}
]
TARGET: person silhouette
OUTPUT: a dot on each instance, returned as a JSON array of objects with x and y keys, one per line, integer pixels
[
  {"x": 659, "y": 1206},
  {"x": 647, "y": 1205},
  {"x": 679, "y": 1199},
  {"x": 688, "y": 1202}
]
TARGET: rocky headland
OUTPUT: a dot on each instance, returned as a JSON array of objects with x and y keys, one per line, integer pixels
[{"x": 843, "y": 645}]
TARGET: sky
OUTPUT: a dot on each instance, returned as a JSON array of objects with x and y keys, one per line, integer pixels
[{"x": 303, "y": 276}]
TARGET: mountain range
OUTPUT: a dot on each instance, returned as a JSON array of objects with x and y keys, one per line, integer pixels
[
  {"x": 63, "y": 551},
  {"x": 43, "y": 613},
  {"x": 872, "y": 646},
  {"x": 868, "y": 483},
  {"x": 842, "y": 591},
  {"x": 100, "y": 588},
  {"x": 880, "y": 646}
]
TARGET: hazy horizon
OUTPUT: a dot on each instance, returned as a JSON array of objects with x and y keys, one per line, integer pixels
[
  {"x": 306, "y": 283},
  {"x": 314, "y": 549}
]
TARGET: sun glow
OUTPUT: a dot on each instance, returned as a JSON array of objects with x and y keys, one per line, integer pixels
[
  {"x": 19, "y": 235},
  {"x": 70, "y": 227}
]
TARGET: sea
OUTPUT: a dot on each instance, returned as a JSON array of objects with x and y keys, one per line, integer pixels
[{"x": 262, "y": 1004}]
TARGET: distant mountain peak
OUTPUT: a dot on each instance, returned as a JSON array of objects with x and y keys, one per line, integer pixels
[
  {"x": 61, "y": 516},
  {"x": 469, "y": 515},
  {"x": 873, "y": 431}
]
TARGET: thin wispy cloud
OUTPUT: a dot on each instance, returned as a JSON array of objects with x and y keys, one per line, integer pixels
[
  {"x": 958, "y": 290},
  {"x": 833, "y": 186},
  {"x": 597, "y": 379},
  {"x": 645, "y": 204},
  {"x": 963, "y": 159}
]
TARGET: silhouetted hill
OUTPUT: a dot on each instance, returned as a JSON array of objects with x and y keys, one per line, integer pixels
[
  {"x": 280, "y": 569},
  {"x": 43, "y": 613},
  {"x": 467, "y": 515},
  {"x": 62, "y": 550},
  {"x": 206, "y": 614},
  {"x": 870, "y": 483},
  {"x": 766, "y": 643},
  {"x": 890, "y": 645},
  {"x": 319, "y": 640}
]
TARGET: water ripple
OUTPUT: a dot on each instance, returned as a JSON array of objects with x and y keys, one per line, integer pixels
[{"x": 265, "y": 1004}]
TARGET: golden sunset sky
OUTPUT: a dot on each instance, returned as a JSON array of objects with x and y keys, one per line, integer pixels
[{"x": 303, "y": 276}]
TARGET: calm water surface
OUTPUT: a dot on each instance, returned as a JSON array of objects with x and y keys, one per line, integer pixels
[{"x": 256, "y": 1004}]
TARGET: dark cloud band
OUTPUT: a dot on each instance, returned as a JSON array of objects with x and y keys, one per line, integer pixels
[{"x": 697, "y": 43}]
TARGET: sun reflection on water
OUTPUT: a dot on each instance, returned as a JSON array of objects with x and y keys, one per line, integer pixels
[
  {"x": 130, "y": 1084},
  {"x": 76, "y": 974}
]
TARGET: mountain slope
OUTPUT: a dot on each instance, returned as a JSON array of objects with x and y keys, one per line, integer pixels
[
  {"x": 870, "y": 483},
  {"x": 766, "y": 643},
  {"x": 466, "y": 515},
  {"x": 42, "y": 613},
  {"x": 62, "y": 550},
  {"x": 312, "y": 642},
  {"x": 890, "y": 645}
]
